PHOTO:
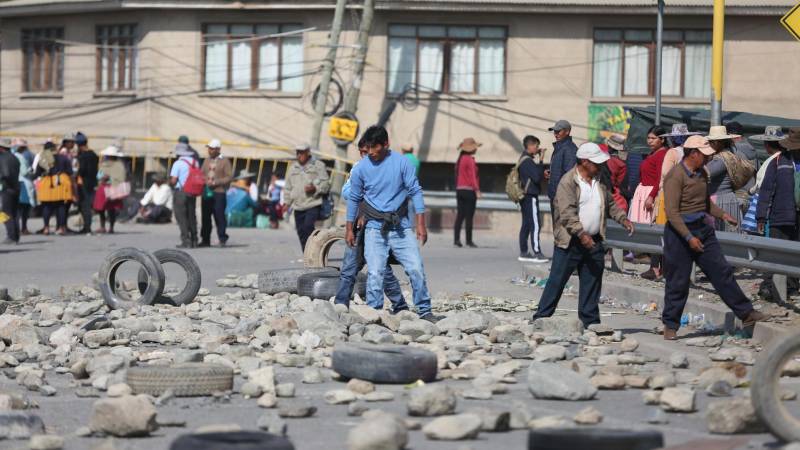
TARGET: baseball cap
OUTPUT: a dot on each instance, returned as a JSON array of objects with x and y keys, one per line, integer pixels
[
  {"x": 560, "y": 125},
  {"x": 214, "y": 143},
  {"x": 592, "y": 152},
  {"x": 302, "y": 148},
  {"x": 700, "y": 143}
]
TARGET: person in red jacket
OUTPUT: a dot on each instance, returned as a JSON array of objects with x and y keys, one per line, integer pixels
[
  {"x": 617, "y": 168},
  {"x": 468, "y": 190}
]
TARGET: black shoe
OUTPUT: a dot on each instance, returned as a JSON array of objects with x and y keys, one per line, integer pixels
[
  {"x": 539, "y": 257},
  {"x": 457, "y": 244},
  {"x": 394, "y": 312},
  {"x": 471, "y": 245},
  {"x": 431, "y": 317},
  {"x": 204, "y": 244},
  {"x": 223, "y": 243}
]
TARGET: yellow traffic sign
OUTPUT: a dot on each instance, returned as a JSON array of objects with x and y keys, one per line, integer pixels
[
  {"x": 792, "y": 21},
  {"x": 343, "y": 129}
]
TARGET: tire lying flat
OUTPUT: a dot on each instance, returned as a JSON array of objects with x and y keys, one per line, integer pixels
[
  {"x": 154, "y": 277},
  {"x": 594, "y": 439},
  {"x": 285, "y": 280},
  {"x": 236, "y": 440},
  {"x": 386, "y": 364},
  {"x": 189, "y": 266},
  {"x": 185, "y": 380},
  {"x": 765, "y": 390}
]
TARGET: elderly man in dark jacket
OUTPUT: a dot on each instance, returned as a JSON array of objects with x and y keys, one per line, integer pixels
[{"x": 563, "y": 159}]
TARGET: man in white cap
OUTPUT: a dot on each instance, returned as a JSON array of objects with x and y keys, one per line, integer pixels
[
  {"x": 580, "y": 208},
  {"x": 307, "y": 182},
  {"x": 218, "y": 173}
]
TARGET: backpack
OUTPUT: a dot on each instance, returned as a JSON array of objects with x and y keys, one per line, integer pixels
[
  {"x": 514, "y": 189},
  {"x": 739, "y": 170},
  {"x": 196, "y": 181}
]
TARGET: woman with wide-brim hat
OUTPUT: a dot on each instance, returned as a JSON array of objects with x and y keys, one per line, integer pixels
[
  {"x": 468, "y": 190},
  {"x": 721, "y": 184},
  {"x": 112, "y": 176}
]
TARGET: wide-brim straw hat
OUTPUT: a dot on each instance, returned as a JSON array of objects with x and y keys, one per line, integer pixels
[
  {"x": 469, "y": 145},
  {"x": 112, "y": 150},
  {"x": 616, "y": 142},
  {"x": 720, "y": 133},
  {"x": 680, "y": 129},
  {"x": 772, "y": 133},
  {"x": 792, "y": 141}
]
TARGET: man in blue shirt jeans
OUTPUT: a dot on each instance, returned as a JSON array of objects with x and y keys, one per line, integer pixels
[{"x": 383, "y": 182}]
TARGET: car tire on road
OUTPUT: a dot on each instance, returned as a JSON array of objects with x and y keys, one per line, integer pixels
[
  {"x": 387, "y": 364},
  {"x": 319, "y": 245},
  {"x": 108, "y": 278},
  {"x": 235, "y": 440},
  {"x": 184, "y": 380},
  {"x": 285, "y": 280},
  {"x": 188, "y": 264},
  {"x": 765, "y": 389},
  {"x": 594, "y": 438}
]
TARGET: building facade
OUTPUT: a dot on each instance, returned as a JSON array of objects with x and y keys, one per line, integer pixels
[{"x": 495, "y": 70}]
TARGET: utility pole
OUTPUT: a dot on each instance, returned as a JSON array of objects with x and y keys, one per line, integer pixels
[
  {"x": 659, "y": 52},
  {"x": 717, "y": 50},
  {"x": 327, "y": 73},
  {"x": 351, "y": 97}
]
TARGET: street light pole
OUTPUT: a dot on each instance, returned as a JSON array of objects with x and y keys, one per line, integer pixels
[
  {"x": 717, "y": 50},
  {"x": 327, "y": 73},
  {"x": 659, "y": 50}
]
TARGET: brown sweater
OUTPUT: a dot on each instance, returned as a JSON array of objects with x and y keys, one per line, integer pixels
[
  {"x": 219, "y": 172},
  {"x": 687, "y": 194}
]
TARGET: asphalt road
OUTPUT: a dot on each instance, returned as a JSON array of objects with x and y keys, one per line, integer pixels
[{"x": 49, "y": 262}]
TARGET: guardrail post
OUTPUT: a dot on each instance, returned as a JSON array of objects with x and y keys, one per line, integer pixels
[
  {"x": 779, "y": 281},
  {"x": 617, "y": 259}
]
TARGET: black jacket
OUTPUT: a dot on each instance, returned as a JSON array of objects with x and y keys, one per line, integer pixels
[
  {"x": 776, "y": 196},
  {"x": 531, "y": 175},
  {"x": 87, "y": 168},
  {"x": 9, "y": 172},
  {"x": 563, "y": 161}
]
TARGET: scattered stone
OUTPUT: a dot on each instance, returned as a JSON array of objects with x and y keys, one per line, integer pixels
[
  {"x": 16, "y": 425},
  {"x": 468, "y": 322},
  {"x": 677, "y": 399},
  {"x": 250, "y": 389},
  {"x": 719, "y": 389},
  {"x": 340, "y": 397},
  {"x": 651, "y": 397},
  {"x": 663, "y": 381},
  {"x": 506, "y": 334},
  {"x": 629, "y": 345},
  {"x": 285, "y": 390},
  {"x": 119, "y": 390},
  {"x": 551, "y": 381},
  {"x": 549, "y": 353},
  {"x": 46, "y": 442},
  {"x": 714, "y": 374},
  {"x": 520, "y": 350},
  {"x": 549, "y": 422},
  {"x": 601, "y": 329},
  {"x": 267, "y": 400},
  {"x": 381, "y": 432},
  {"x": 124, "y": 416},
  {"x": 679, "y": 361},
  {"x": 219, "y": 428},
  {"x": 657, "y": 417},
  {"x": 492, "y": 420},
  {"x": 637, "y": 381},
  {"x": 588, "y": 416},
  {"x": 608, "y": 382},
  {"x": 732, "y": 417},
  {"x": 559, "y": 326},
  {"x": 453, "y": 428},
  {"x": 356, "y": 409},
  {"x": 431, "y": 400},
  {"x": 378, "y": 396},
  {"x": 360, "y": 386},
  {"x": 296, "y": 410},
  {"x": 271, "y": 423},
  {"x": 313, "y": 375}
]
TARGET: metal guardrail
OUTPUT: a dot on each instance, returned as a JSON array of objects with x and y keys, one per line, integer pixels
[
  {"x": 776, "y": 256},
  {"x": 489, "y": 201}
]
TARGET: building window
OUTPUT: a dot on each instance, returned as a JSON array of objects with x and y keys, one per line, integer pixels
[
  {"x": 252, "y": 57},
  {"x": 453, "y": 59},
  {"x": 624, "y": 63},
  {"x": 43, "y": 62},
  {"x": 116, "y": 57}
]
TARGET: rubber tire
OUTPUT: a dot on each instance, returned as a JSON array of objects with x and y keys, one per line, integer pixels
[
  {"x": 319, "y": 245},
  {"x": 385, "y": 364},
  {"x": 188, "y": 264},
  {"x": 594, "y": 438},
  {"x": 285, "y": 280},
  {"x": 765, "y": 389},
  {"x": 108, "y": 271},
  {"x": 185, "y": 380},
  {"x": 235, "y": 440}
]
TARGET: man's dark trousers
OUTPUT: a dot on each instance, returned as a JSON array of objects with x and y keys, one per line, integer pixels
[
  {"x": 10, "y": 200},
  {"x": 214, "y": 206},
  {"x": 590, "y": 264},
  {"x": 304, "y": 222},
  {"x": 678, "y": 259},
  {"x": 184, "y": 207},
  {"x": 85, "y": 202},
  {"x": 531, "y": 220}
]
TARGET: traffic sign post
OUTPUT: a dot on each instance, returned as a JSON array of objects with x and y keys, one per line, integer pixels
[
  {"x": 792, "y": 21},
  {"x": 343, "y": 128}
]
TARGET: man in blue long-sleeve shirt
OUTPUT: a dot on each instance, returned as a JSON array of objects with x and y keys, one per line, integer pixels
[
  {"x": 384, "y": 181},
  {"x": 563, "y": 159}
]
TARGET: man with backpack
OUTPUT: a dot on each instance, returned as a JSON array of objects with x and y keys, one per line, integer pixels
[
  {"x": 529, "y": 176},
  {"x": 188, "y": 181}
]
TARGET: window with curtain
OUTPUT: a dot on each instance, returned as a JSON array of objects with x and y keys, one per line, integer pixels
[
  {"x": 253, "y": 57},
  {"x": 116, "y": 57},
  {"x": 452, "y": 59},
  {"x": 43, "y": 60},
  {"x": 624, "y": 63}
]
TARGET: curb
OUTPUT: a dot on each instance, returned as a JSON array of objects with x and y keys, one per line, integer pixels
[{"x": 717, "y": 314}]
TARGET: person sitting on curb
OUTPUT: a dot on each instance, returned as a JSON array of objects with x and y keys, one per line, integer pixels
[
  {"x": 580, "y": 207},
  {"x": 156, "y": 205}
]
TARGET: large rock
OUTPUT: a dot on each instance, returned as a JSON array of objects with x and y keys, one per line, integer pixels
[
  {"x": 96, "y": 338},
  {"x": 714, "y": 374},
  {"x": 733, "y": 416},
  {"x": 418, "y": 327},
  {"x": 65, "y": 335},
  {"x": 558, "y": 326},
  {"x": 124, "y": 416},
  {"x": 382, "y": 432},
  {"x": 677, "y": 399},
  {"x": 436, "y": 400},
  {"x": 16, "y": 330},
  {"x": 468, "y": 322},
  {"x": 549, "y": 353},
  {"x": 264, "y": 378},
  {"x": 551, "y": 381},
  {"x": 506, "y": 334},
  {"x": 453, "y": 428}
]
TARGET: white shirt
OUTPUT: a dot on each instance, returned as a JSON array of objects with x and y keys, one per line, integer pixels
[
  {"x": 762, "y": 171},
  {"x": 590, "y": 205},
  {"x": 158, "y": 195}
]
